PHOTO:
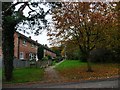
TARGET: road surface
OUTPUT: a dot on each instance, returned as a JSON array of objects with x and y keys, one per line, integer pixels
[
  {"x": 0, "y": 72},
  {"x": 109, "y": 83}
]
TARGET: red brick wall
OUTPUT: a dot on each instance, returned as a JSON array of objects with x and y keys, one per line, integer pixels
[
  {"x": 15, "y": 45},
  {"x": 49, "y": 53},
  {"x": 0, "y": 52},
  {"x": 26, "y": 49}
]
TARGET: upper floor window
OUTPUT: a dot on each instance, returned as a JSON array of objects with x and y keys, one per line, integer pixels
[
  {"x": 24, "y": 42},
  {"x": 32, "y": 45}
]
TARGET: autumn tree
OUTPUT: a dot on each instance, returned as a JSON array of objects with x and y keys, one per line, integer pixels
[
  {"x": 57, "y": 50},
  {"x": 83, "y": 23},
  {"x": 70, "y": 51}
]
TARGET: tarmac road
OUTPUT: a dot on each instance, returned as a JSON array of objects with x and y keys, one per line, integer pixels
[{"x": 108, "y": 83}]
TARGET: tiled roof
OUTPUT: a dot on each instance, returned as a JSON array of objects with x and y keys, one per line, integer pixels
[{"x": 27, "y": 38}]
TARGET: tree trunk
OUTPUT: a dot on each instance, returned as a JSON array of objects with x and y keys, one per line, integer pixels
[
  {"x": 89, "y": 68},
  {"x": 8, "y": 52},
  {"x": 8, "y": 49},
  {"x": 87, "y": 57}
]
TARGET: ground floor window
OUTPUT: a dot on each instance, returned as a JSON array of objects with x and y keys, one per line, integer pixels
[
  {"x": 32, "y": 56},
  {"x": 21, "y": 55}
]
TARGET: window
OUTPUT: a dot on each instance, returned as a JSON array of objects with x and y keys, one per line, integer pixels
[
  {"x": 32, "y": 56},
  {"x": 21, "y": 55},
  {"x": 24, "y": 42},
  {"x": 32, "y": 45}
]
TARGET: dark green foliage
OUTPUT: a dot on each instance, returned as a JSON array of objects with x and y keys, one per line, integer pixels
[
  {"x": 45, "y": 58},
  {"x": 116, "y": 54},
  {"x": 40, "y": 52},
  {"x": 101, "y": 56},
  {"x": 49, "y": 57},
  {"x": 83, "y": 57}
]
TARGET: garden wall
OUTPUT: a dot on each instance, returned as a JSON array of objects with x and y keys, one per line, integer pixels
[{"x": 25, "y": 63}]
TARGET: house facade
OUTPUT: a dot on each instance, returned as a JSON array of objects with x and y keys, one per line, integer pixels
[
  {"x": 49, "y": 52},
  {"x": 26, "y": 49}
]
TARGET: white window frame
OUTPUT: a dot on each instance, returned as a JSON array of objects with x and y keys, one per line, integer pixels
[
  {"x": 24, "y": 42},
  {"x": 21, "y": 55},
  {"x": 32, "y": 45},
  {"x": 32, "y": 56}
]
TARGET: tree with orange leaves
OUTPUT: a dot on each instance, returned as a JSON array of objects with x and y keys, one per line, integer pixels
[{"x": 85, "y": 24}]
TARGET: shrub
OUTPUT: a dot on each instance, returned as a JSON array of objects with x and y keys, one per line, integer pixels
[
  {"x": 49, "y": 57},
  {"x": 45, "y": 58},
  {"x": 40, "y": 52},
  {"x": 101, "y": 55}
]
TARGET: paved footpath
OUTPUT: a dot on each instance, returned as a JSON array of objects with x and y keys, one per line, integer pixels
[{"x": 51, "y": 75}]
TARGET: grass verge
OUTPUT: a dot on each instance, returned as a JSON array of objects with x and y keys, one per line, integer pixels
[
  {"x": 23, "y": 75},
  {"x": 69, "y": 64}
]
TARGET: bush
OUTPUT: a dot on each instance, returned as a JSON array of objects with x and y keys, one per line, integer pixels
[
  {"x": 40, "y": 52},
  {"x": 83, "y": 57},
  {"x": 45, "y": 58},
  {"x": 49, "y": 57},
  {"x": 101, "y": 55},
  {"x": 116, "y": 55}
]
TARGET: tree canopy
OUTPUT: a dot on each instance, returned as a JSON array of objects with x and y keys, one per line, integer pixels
[{"x": 89, "y": 25}]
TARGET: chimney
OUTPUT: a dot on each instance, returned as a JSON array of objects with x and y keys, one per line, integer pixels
[
  {"x": 36, "y": 40},
  {"x": 30, "y": 37}
]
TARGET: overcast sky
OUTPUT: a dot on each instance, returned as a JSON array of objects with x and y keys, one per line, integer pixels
[{"x": 42, "y": 38}]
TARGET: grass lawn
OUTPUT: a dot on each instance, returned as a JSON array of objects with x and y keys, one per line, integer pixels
[
  {"x": 76, "y": 70},
  {"x": 22, "y": 75},
  {"x": 69, "y": 64}
]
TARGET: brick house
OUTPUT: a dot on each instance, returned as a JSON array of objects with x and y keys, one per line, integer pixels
[
  {"x": 49, "y": 52},
  {"x": 26, "y": 49}
]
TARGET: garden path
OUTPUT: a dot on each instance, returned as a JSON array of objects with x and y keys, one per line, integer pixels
[{"x": 51, "y": 75}]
